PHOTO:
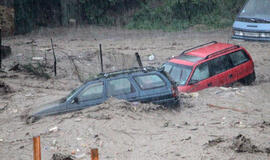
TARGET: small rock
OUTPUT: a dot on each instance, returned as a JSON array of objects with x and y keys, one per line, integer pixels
[
  {"x": 54, "y": 142},
  {"x": 77, "y": 119},
  {"x": 54, "y": 129},
  {"x": 78, "y": 138},
  {"x": 243, "y": 144},
  {"x": 3, "y": 106},
  {"x": 166, "y": 124},
  {"x": 80, "y": 156},
  {"x": 194, "y": 94},
  {"x": 29, "y": 95},
  {"x": 194, "y": 129},
  {"x": 59, "y": 156},
  {"x": 73, "y": 152},
  {"x": 1, "y": 140},
  {"x": 215, "y": 141}
]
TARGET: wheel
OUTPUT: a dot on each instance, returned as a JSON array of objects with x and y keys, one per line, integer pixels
[
  {"x": 248, "y": 79},
  {"x": 31, "y": 119}
]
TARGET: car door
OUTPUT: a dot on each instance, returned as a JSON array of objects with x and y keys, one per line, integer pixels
[
  {"x": 200, "y": 78},
  {"x": 92, "y": 94},
  {"x": 221, "y": 71},
  {"x": 121, "y": 88},
  {"x": 241, "y": 63}
]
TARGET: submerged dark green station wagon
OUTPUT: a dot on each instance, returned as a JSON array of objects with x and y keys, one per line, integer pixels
[{"x": 143, "y": 84}]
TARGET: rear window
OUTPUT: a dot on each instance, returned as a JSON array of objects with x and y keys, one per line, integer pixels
[
  {"x": 238, "y": 57},
  {"x": 149, "y": 81}
]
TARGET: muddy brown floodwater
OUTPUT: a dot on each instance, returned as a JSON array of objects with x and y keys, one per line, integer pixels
[{"x": 204, "y": 127}]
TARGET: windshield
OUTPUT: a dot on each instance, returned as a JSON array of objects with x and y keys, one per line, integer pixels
[
  {"x": 179, "y": 73},
  {"x": 257, "y": 9}
]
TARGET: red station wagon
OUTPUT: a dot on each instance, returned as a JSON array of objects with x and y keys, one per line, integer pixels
[{"x": 209, "y": 65}]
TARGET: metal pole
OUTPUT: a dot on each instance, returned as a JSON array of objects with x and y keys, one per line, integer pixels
[
  {"x": 37, "y": 148},
  {"x": 138, "y": 59},
  {"x": 54, "y": 58},
  {"x": 0, "y": 48},
  {"x": 94, "y": 154},
  {"x": 101, "y": 59}
]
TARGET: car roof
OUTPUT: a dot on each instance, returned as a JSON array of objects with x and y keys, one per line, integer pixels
[
  {"x": 207, "y": 50},
  {"x": 146, "y": 69},
  {"x": 197, "y": 54}
]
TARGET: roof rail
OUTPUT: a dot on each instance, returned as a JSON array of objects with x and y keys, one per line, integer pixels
[
  {"x": 214, "y": 42},
  {"x": 222, "y": 51},
  {"x": 130, "y": 70}
]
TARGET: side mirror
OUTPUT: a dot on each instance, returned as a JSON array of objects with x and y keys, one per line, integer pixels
[
  {"x": 75, "y": 100},
  {"x": 193, "y": 81}
]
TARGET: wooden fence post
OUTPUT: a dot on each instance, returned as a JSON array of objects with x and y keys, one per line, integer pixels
[
  {"x": 101, "y": 59},
  {"x": 0, "y": 48},
  {"x": 94, "y": 154},
  {"x": 36, "y": 147},
  {"x": 54, "y": 58}
]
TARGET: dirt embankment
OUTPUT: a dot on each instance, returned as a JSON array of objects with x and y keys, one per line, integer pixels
[{"x": 208, "y": 125}]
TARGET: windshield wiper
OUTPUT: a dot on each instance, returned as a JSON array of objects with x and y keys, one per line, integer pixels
[
  {"x": 259, "y": 20},
  {"x": 256, "y": 20}
]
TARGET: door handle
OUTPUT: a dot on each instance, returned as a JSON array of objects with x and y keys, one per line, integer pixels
[
  {"x": 230, "y": 76},
  {"x": 209, "y": 84}
]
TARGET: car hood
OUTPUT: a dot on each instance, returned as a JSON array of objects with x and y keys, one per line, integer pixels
[{"x": 47, "y": 108}]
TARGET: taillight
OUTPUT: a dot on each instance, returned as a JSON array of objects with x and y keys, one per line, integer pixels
[{"x": 175, "y": 92}]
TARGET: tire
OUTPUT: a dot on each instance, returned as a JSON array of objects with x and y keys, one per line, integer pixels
[
  {"x": 31, "y": 119},
  {"x": 248, "y": 79}
]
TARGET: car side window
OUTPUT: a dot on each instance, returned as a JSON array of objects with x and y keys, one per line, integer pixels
[
  {"x": 149, "y": 81},
  {"x": 201, "y": 72},
  {"x": 92, "y": 91},
  {"x": 238, "y": 57},
  {"x": 119, "y": 86},
  {"x": 220, "y": 64}
]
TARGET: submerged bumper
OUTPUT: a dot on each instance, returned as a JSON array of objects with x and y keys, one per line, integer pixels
[{"x": 168, "y": 102}]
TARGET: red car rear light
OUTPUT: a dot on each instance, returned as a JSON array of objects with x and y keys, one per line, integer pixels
[{"x": 175, "y": 92}]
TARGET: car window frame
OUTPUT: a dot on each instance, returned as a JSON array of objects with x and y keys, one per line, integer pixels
[
  {"x": 211, "y": 63},
  {"x": 137, "y": 83},
  {"x": 245, "y": 54},
  {"x": 83, "y": 100},
  {"x": 210, "y": 75},
  {"x": 132, "y": 85}
]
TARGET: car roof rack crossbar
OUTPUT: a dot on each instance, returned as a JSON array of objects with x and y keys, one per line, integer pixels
[
  {"x": 185, "y": 51},
  {"x": 222, "y": 51},
  {"x": 124, "y": 71}
]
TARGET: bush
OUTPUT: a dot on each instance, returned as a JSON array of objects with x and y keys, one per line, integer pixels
[{"x": 180, "y": 14}]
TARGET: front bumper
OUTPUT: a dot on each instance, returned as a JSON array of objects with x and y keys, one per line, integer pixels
[{"x": 250, "y": 38}]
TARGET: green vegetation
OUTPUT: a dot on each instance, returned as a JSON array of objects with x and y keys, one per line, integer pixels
[
  {"x": 169, "y": 15},
  {"x": 180, "y": 14}
]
